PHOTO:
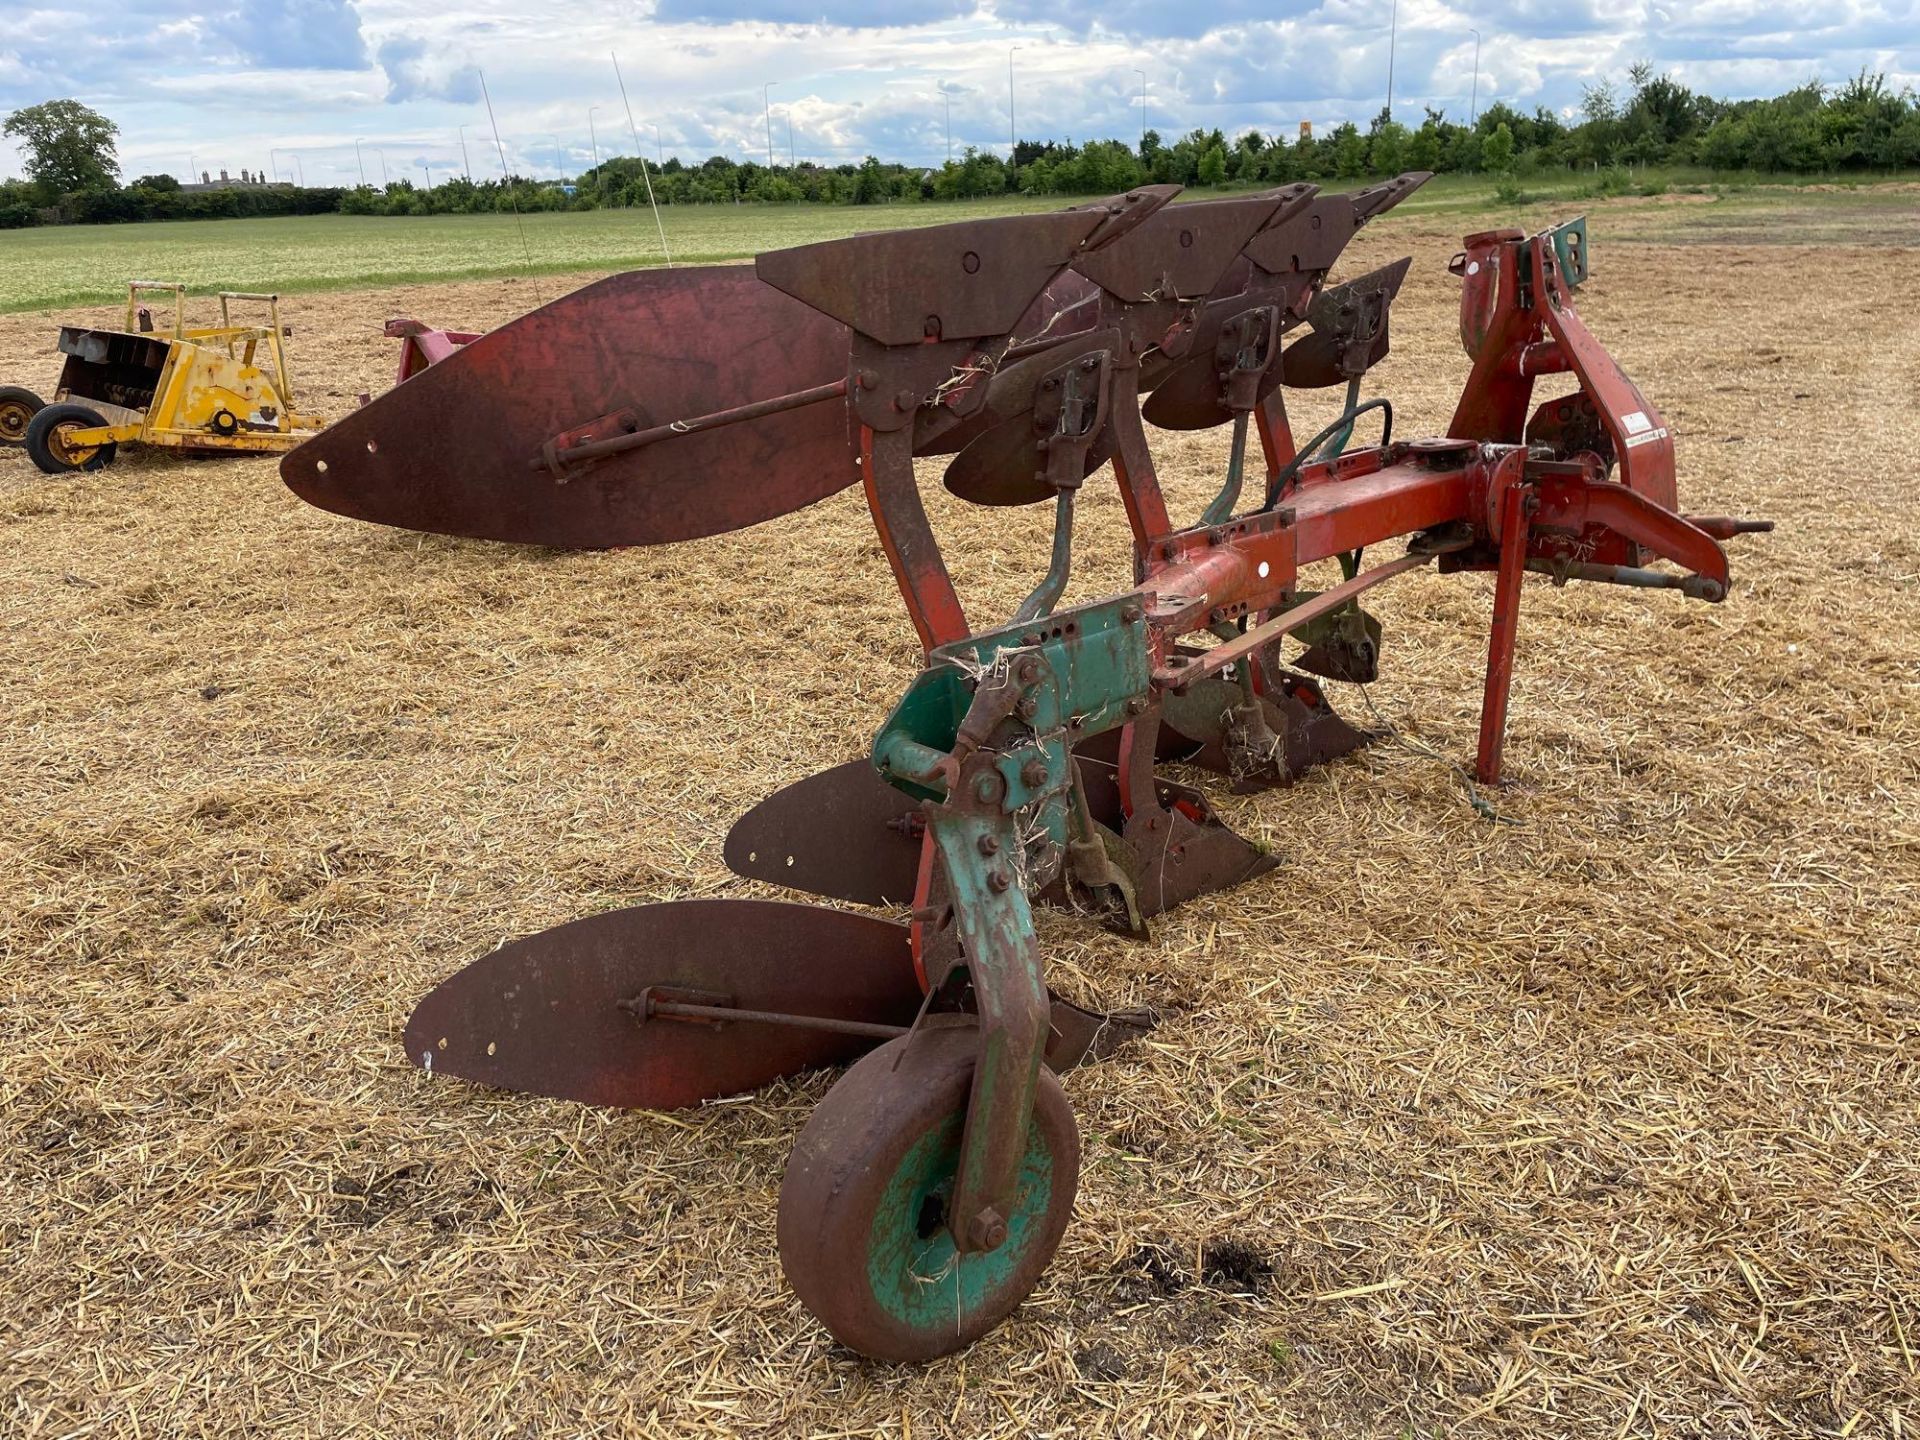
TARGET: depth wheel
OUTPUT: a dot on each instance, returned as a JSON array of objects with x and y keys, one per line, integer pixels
[
  {"x": 51, "y": 447},
  {"x": 863, "y": 1223},
  {"x": 18, "y": 406}
]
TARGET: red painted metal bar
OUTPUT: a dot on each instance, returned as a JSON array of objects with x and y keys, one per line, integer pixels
[
  {"x": 1505, "y": 629},
  {"x": 1180, "y": 671},
  {"x": 760, "y": 409},
  {"x": 1334, "y": 512},
  {"x": 1276, "y": 433},
  {"x": 886, "y": 470},
  {"x": 1133, "y": 464}
]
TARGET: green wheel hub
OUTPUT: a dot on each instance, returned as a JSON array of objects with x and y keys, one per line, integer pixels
[{"x": 865, "y": 1235}]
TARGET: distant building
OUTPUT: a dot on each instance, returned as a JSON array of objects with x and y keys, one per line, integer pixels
[{"x": 247, "y": 180}]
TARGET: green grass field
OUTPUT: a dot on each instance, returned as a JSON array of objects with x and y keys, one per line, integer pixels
[{"x": 44, "y": 269}]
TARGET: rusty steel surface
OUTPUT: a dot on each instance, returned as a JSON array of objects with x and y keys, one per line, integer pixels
[
  {"x": 545, "y": 1014},
  {"x": 844, "y": 833},
  {"x": 452, "y": 450},
  {"x": 1021, "y": 764},
  {"x": 1349, "y": 330}
]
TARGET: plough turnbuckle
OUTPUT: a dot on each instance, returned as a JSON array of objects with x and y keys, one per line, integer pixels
[{"x": 1021, "y": 766}]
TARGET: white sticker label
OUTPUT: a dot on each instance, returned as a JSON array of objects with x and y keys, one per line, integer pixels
[
  {"x": 1635, "y": 441},
  {"x": 1636, "y": 422}
]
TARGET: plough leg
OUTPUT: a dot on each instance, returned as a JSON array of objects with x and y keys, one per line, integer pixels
[{"x": 1514, "y": 509}]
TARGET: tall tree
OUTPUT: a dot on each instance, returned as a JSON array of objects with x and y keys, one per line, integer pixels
[{"x": 69, "y": 147}]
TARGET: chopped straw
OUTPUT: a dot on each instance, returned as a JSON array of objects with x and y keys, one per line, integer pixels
[{"x": 1603, "y": 1124}]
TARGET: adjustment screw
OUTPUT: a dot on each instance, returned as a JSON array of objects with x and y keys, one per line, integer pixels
[
  {"x": 998, "y": 882},
  {"x": 1033, "y": 774}
]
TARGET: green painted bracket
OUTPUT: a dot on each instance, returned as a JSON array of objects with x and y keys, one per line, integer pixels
[
  {"x": 1092, "y": 661},
  {"x": 982, "y": 855},
  {"x": 1570, "y": 247}
]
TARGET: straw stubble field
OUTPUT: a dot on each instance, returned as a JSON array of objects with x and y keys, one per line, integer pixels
[{"x": 1601, "y": 1123}]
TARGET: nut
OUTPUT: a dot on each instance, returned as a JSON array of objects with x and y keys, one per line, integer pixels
[
  {"x": 1033, "y": 774},
  {"x": 987, "y": 1230}
]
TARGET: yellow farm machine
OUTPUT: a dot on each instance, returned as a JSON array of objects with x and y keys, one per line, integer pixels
[{"x": 213, "y": 388}]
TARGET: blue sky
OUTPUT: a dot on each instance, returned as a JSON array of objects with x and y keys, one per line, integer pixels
[{"x": 291, "y": 84}]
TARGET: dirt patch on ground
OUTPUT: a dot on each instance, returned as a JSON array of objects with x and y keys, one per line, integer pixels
[{"x": 1601, "y": 1123}]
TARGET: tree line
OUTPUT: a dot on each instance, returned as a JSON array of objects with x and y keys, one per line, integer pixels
[{"x": 1863, "y": 125}]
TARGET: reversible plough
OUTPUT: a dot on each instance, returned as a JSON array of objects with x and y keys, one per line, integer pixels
[{"x": 931, "y": 1186}]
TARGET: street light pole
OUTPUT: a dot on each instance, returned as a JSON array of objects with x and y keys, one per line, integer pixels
[
  {"x": 559, "y": 163},
  {"x": 299, "y": 170},
  {"x": 766, "y": 104},
  {"x": 792, "y": 164},
  {"x": 659, "y": 151},
  {"x": 1013, "y": 129},
  {"x": 466, "y": 168},
  {"x": 381, "y": 152},
  {"x": 361, "y": 161},
  {"x": 593, "y": 137},
  {"x": 947, "y": 96},
  {"x": 1393, "y": 37},
  {"x": 1474, "y": 112},
  {"x": 1143, "y": 112}
]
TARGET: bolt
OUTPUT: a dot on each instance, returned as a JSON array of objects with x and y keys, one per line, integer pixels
[
  {"x": 1033, "y": 774},
  {"x": 998, "y": 882},
  {"x": 987, "y": 1230},
  {"x": 1032, "y": 637},
  {"x": 1137, "y": 705},
  {"x": 1029, "y": 707},
  {"x": 987, "y": 788},
  {"x": 868, "y": 379},
  {"x": 1029, "y": 670},
  {"x": 989, "y": 845},
  {"x": 905, "y": 400},
  {"x": 1130, "y": 614}
]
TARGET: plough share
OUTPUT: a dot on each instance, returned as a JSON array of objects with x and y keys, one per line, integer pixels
[{"x": 931, "y": 1186}]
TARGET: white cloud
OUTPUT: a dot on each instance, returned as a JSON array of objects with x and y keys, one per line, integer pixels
[{"x": 311, "y": 75}]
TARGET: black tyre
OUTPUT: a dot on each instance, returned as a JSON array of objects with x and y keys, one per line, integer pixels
[
  {"x": 51, "y": 447},
  {"x": 18, "y": 406}
]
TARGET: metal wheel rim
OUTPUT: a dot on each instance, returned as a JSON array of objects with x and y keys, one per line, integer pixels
[
  {"x": 14, "y": 419},
  {"x": 74, "y": 456}
]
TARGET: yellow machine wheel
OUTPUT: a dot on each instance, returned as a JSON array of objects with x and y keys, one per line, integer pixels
[
  {"x": 18, "y": 406},
  {"x": 49, "y": 445}
]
